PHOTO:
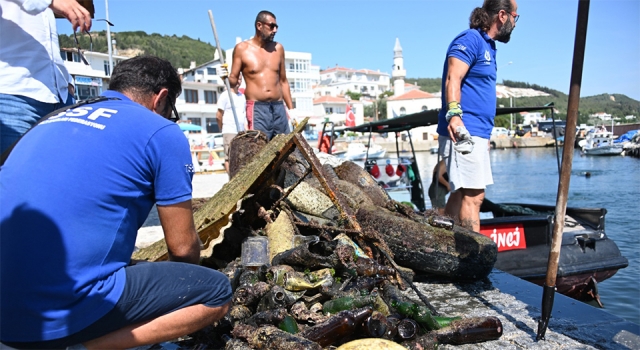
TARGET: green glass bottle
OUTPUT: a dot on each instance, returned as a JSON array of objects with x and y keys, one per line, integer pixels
[
  {"x": 289, "y": 325},
  {"x": 346, "y": 303}
]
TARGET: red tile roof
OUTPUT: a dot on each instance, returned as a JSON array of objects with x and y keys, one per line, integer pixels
[
  {"x": 351, "y": 70},
  {"x": 329, "y": 99},
  {"x": 412, "y": 95}
]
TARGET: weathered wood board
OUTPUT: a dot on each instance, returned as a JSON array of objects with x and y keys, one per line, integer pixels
[{"x": 214, "y": 215}]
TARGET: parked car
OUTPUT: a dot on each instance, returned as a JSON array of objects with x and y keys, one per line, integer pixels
[
  {"x": 522, "y": 129},
  {"x": 214, "y": 140},
  {"x": 499, "y": 131}
]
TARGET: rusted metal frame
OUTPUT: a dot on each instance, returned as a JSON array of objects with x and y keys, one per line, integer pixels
[
  {"x": 327, "y": 184},
  {"x": 291, "y": 188},
  {"x": 566, "y": 165}
]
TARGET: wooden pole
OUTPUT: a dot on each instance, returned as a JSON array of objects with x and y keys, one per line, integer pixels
[
  {"x": 226, "y": 81},
  {"x": 565, "y": 172}
]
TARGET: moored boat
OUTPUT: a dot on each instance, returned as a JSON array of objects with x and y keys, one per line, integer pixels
[
  {"x": 523, "y": 232},
  {"x": 599, "y": 142},
  {"x": 358, "y": 151}
]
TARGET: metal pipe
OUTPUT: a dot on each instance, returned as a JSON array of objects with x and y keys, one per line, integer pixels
[
  {"x": 226, "y": 81},
  {"x": 555, "y": 139},
  {"x": 567, "y": 159},
  {"x": 106, "y": 5}
]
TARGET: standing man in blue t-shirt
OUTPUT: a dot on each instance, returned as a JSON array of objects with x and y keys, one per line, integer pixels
[
  {"x": 469, "y": 85},
  {"x": 75, "y": 190}
]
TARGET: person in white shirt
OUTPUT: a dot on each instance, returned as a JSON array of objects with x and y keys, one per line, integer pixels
[
  {"x": 226, "y": 120},
  {"x": 33, "y": 79}
]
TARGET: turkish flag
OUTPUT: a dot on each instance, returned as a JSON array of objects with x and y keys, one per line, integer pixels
[{"x": 351, "y": 118}]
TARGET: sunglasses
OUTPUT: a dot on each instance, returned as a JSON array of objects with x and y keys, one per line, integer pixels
[
  {"x": 75, "y": 38},
  {"x": 271, "y": 25},
  {"x": 176, "y": 116}
]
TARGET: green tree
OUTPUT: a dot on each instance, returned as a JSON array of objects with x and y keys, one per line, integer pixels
[{"x": 353, "y": 95}]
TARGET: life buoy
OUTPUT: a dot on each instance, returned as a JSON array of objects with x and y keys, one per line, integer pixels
[
  {"x": 374, "y": 170},
  {"x": 389, "y": 168}
]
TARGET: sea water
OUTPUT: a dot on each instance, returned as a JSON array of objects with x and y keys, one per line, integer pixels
[{"x": 530, "y": 175}]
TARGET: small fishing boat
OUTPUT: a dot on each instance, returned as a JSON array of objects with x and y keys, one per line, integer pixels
[
  {"x": 358, "y": 151},
  {"x": 523, "y": 232},
  {"x": 599, "y": 142}
]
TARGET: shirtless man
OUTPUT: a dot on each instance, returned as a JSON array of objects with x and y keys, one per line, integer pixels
[{"x": 261, "y": 61}]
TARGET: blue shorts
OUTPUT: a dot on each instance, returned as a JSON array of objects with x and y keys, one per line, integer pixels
[
  {"x": 151, "y": 290},
  {"x": 268, "y": 117}
]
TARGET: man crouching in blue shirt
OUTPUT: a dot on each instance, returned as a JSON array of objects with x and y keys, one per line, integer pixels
[{"x": 75, "y": 190}]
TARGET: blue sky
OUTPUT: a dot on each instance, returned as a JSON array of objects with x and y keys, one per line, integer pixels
[{"x": 361, "y": 34}]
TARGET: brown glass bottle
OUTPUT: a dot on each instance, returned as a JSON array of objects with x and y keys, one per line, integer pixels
[
  {"x": 337, "y": 327},
  {"x": 470, "y": 330}
]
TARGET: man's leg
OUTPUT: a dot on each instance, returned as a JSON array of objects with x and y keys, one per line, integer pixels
[
  {"x": 170, "y": 326},
  {"x": 452, "y": 208},
  {"x": 471, "y": 200}
]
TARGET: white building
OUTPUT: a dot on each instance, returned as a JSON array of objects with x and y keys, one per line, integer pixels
[
  {"x": 529, "y": 118},
  {"x": 302, "y": 75},
  {"x": 329, "y": 108},
  {"x": 407, "y": 98},
  {"x": 89, "y": 80},
  {"x": 399, "y": 73},
  {"x": 411, "y": 102},
  {"x": 337, "y": 81},
  {"x": 601, "y": 116},
  {"x": 201, "y": 88}
]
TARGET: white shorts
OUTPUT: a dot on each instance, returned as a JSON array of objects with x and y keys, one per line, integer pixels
[{"x": 473, "y": 170}]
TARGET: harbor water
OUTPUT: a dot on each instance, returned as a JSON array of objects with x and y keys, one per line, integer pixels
[{"x": 530, "y": 175}]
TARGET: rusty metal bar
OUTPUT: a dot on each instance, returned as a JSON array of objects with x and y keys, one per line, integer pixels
[
  {"x": 567, "y": 162},
  {"x": 327, "y": 184},
  {"x": 291, "y": 188}
]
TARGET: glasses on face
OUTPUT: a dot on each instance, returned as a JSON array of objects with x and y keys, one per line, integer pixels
[
  {"x": 515, "y": 17},
  {"x": 176, "y": 116},
  {"x": 75, "y": 38},
  {"x": 271, "y": 25}
]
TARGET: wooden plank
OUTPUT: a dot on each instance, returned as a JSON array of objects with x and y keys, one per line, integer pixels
[{"x": 212, "y": 217}]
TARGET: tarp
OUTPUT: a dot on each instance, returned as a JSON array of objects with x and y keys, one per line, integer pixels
[
  {"x": 626, "y": 136},
  {"x": 189, "y": 127}
]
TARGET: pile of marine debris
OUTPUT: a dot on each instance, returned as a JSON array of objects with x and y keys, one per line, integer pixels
[{"x": 317, "y": 255}]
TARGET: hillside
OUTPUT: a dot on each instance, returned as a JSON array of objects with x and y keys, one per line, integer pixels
[
  {"x": 180, "y": 51},
  {"x": 617, "y": 105}
]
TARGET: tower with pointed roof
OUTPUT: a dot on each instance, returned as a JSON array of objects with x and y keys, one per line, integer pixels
[{"x": 398, "y": 72}]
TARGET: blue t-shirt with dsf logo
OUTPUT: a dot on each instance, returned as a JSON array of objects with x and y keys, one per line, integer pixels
[
  {"x": 74, "y": 193},
  {"x": 478, "y": 92}
]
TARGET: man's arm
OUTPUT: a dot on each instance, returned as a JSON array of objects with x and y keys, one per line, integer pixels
[
  {"x": 77, "y": 15},
  {"x": 219, "y": 114},
  {"x": 183, "y": 243},
  {"x": 453, "y": 84},
  {"x": 236, "y": 64},
  {"x": 284, "y": 82}
]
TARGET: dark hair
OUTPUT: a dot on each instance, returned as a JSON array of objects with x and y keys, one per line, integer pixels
[
  {"x": 482, "y": 17},
  {"x": 262, "y": 16},
  {"x": 145, "y": 75}
]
